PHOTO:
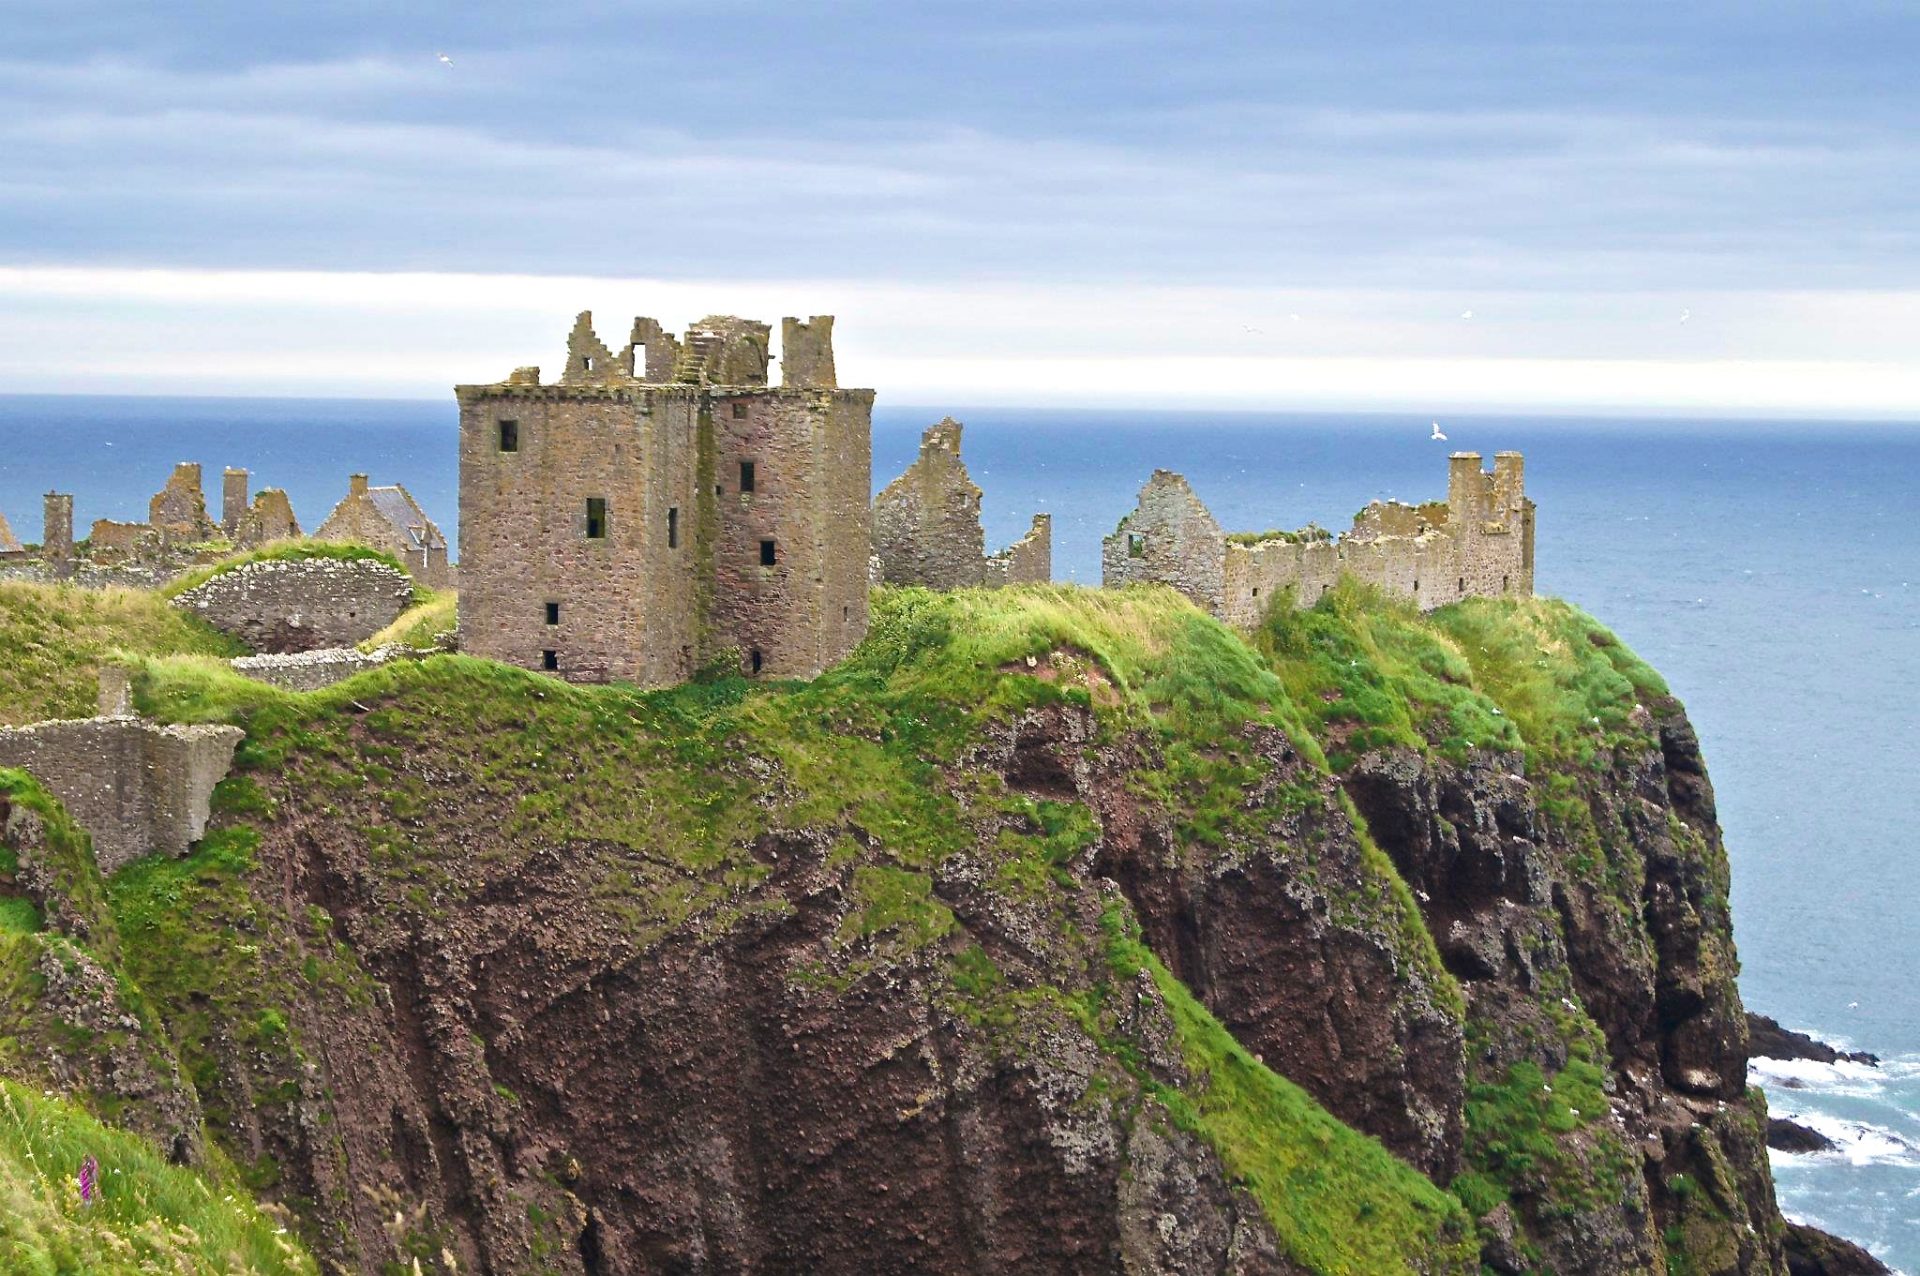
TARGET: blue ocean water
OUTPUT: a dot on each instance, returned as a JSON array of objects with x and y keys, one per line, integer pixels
[{"x": 1771, "y": 570}]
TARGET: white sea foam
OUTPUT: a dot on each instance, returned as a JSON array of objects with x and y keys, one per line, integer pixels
[{"x": 1857, "y": 1142}]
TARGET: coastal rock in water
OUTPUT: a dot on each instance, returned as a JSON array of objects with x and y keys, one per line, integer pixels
[
  {"x": 1812, "y": 1252},
  {"x": 1790, "y": 1136},
  {"x": 1768, "y": 1040}
]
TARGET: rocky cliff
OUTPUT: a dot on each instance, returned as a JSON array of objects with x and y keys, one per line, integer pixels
[{"x": 1055, "y": 931}]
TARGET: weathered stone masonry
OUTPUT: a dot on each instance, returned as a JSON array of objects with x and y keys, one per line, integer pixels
[
  {"x": 137, "y": 787},
  {"x": 1476, "y": 543},
  {"x": 664, "y": 506},
  {"x": 926, "y": 525},
  {"x": 303, "y": 604}
]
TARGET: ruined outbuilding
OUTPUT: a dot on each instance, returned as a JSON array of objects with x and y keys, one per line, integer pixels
[
  {"x": 388, "y": 518},
  {"x": 138, "y": 788},
  {"x": 249, "y": 525},
  {"x": 663, "y": 507},
  {"x": 926, "y": 525},
  {"x": 1476, "y": 543}
]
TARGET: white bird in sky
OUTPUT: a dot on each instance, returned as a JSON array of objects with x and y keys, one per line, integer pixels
[
  {"x": 1466, "y": 314},
  {"x": 444, "y": 58},
  {"x": 1437, "y": 434},
  {"x": 1685, "y": 315}
]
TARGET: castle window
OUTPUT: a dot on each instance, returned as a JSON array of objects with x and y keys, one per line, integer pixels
[
  {"x": 1256, "y": 591},
  {"x": 753, "y": 659},
  {"x": 739, "y": 409},
  {"x": 553, "y": 613},
  {"x": 509, "y": 436},
  {"x": 1463, "y": 584},
  {"x": 1136, "y": 545},
  {"x": 549, "y": 659},
  {"x": 1504, "y": 585},
  {"x": 746, "y": 476},
  {"x": 1416, "y": 584},
  {"x": 586, "y": 363},
  {"x": 846, "y": 613},
  {"x": 767, "y": 556},
  {"x": 596, "y": 518},
  {"x": 673, "y": 527}
]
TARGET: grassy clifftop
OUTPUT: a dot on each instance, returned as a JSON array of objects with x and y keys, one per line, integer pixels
[{"x": 959, "y": 779}]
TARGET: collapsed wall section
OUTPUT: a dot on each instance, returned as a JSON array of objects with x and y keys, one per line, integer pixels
[
  {"x": 1028, "y": 561},
  {"x": 137, "y": 787},
  {"x": 927, "y": 529}
]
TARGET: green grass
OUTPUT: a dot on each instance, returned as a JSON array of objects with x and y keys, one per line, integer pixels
[
  {"x": 1341, "y": 1204},
  {"x": 434, "y": 613},
  {"x": 147, "y": 1216},
  {"x": 53, "y": 640},
  {"x": 277, "y": 551}
]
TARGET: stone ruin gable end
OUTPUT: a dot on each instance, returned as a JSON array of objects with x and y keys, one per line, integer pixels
[
  {"x": 179, "y": 510},
  {"x": 136, "y": 787},
  {"x": 926, "y": 523},
  {"x": 359, "y": 519},
  {"x": 666, "y": 460},
  {"x": 9, "y": 543},
  {"x": 1170, "y": 538},
  {"x": 269, "y": 518},
  {"x": 302, "y": 604},
  {"x": 1029, "y": 560}
]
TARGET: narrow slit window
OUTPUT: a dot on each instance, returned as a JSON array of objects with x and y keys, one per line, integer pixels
[
  {"x": 596, "y": 518},
  {"x": 1463, "y": 584},
  {"x": 673, "y": 527},
  {"x": 768, "y": 554},
  {"x": 553, "y": 613},
  {"x": 509, "y": 436},
  {"x": 1416, "y": 584},
  {"x": 746, "y": 476},
  {"x": 549, "y": 659},
  {"x": 1505, "y": 583},
  {"x": 753, "y": 659}
]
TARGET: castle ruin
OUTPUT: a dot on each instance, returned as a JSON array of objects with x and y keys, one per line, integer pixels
[
  {"x": 926, "y": 526},
  {"x": 388, "y": 518},
  {"x": 663, "y": 507},
  {"x": 1476, "y": 543}
]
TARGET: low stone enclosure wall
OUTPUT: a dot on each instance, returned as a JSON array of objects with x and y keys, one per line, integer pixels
[
  {"x": 137, "y": 787},
  {"x": 301, "y": 604},
  {"x": 312, "y": 670}
]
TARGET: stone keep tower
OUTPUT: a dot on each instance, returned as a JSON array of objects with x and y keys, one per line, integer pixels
[{"x": 664, "y": 506}]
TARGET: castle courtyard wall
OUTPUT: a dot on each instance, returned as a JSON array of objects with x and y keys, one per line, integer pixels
[
  {"x": 1028, "y": 561},
  {"x": 288, "y": 605}
]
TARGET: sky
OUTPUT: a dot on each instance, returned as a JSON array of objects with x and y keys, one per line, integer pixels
[{"x": 1626, "y": 206}]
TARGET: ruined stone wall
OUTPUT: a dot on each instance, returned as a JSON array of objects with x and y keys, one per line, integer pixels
[
  {"x": 1028, "y": 560},
  {"x": 110, "y": 542},
  {"x": 9, "y": 543},
  {"x": 233, "y": 499},
  {"x": 56, "y": 536},
  {"x": 269, "y": 518},
  {"x": 1478, "y": 544},
  {"x": 1170, "y": 538},
  {"x": 301, "y": 604},
  {"x": 138, "y": 788},
  {"x": 179, "y": 510},
  {"x": 926, "y": 523},
  {"x": 626, "y": 601},
  {"x": 312, "y": 670},
  {"x": 806, "y": 354}
]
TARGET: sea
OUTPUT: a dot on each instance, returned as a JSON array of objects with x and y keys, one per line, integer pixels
[{"x": 1769, "y": 569}]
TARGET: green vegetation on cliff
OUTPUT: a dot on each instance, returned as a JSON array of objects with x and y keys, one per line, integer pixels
[
  {"x": 53, "y": 640},
  {"x": 145, "y": 1215}
]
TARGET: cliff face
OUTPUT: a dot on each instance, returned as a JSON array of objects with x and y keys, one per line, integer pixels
[{"x": 1056, "y": 931}]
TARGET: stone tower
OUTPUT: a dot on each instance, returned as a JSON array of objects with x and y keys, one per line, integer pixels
[{"x": 663, "y": 506}]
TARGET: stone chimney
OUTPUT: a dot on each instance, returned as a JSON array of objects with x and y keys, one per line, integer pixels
[
  {"x": 233, "y": 500},
  {"x": 56, "y": 538},
  {"x": 356, "y": 485}
]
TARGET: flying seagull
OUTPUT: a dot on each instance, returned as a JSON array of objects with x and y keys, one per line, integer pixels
[
  {"x": 1437, "y": 434},
  {"x": 1685, "y": 315},
  {"x": 1466, "y": 314},
  {"x": 444, "y": 58}
]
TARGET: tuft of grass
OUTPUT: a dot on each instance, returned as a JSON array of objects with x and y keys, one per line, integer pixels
[
  {"x": 433, "y": 614},
  {"x": 292, "y": 550},
  {"x": 147, "y": 1215},
  {"x": 1341, "y": 1204},
  {"x": 56, "y": 637},
  {"x": 1371, "y": 672}
]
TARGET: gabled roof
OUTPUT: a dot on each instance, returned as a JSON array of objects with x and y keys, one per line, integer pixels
[{"x": 397, "y": 506}]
